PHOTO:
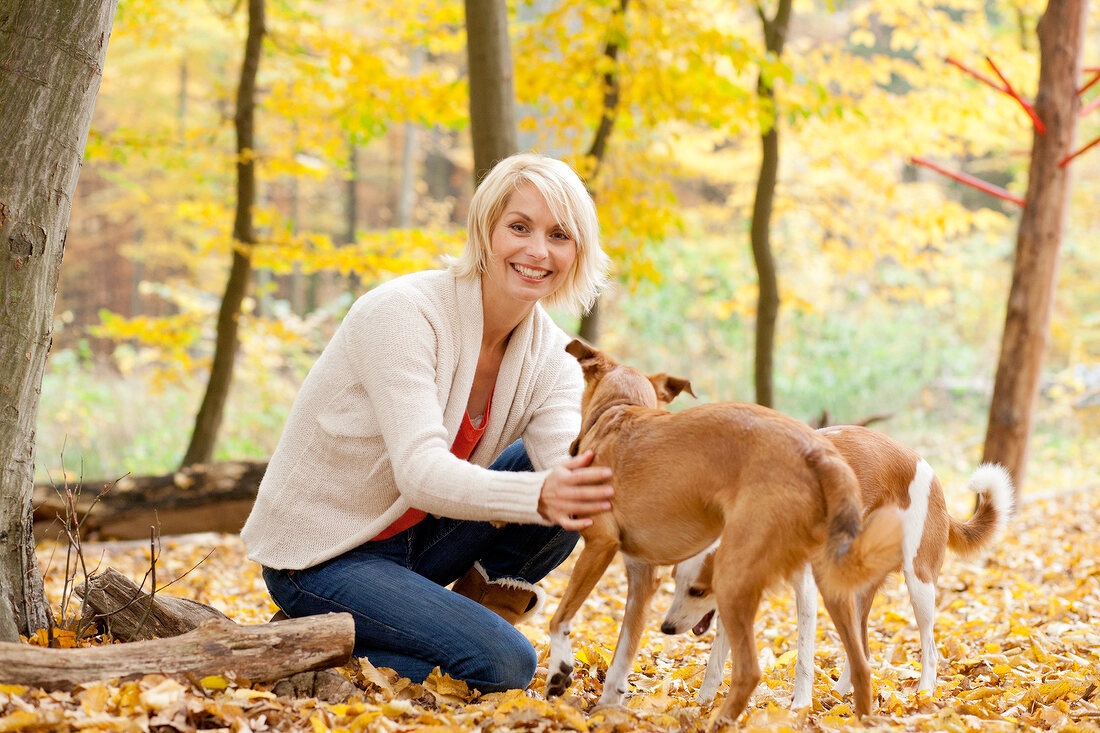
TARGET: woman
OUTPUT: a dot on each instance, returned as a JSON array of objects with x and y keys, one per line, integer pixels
[{"x": 429, "y": 444}]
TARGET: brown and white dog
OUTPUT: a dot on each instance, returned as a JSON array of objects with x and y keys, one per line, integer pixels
[
  {"x": 775, "y": 492},
  {"x": 890, "y": 474}
]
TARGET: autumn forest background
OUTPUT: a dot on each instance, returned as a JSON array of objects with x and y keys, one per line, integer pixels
[{"x": 892, "y": 276}]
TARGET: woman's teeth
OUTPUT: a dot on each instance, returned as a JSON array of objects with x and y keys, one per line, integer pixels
[{"x": 529, "y": 273}]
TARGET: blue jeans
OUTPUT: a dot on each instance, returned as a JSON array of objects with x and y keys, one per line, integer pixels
[{"x": 405, "y": 617}]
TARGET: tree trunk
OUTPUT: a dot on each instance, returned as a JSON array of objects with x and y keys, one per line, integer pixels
[
  {"x": 1027, "y": 319},
  {"x": 589, "y": 328},
  {"x": 260, "y": 653},
  {"x": 492, "y": 84},
  {"x": 209, "y": 418},
  {"x": 410, "y": 152},
  {"x": 767, "y": 303},
  {"x": 51, "y": 64}
]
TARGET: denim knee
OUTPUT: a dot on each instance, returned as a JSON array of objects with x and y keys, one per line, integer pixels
[{"x": 508, "y": 665}]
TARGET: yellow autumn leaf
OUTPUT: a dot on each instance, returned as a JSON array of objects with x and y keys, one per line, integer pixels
[
  {"x": 17, "y": 721},
  {"x": 94, "y": 698},
  {"x": 214, "y": 682}
]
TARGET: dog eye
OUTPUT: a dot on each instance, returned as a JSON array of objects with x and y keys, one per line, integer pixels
[{"x": 696, "y": 592}]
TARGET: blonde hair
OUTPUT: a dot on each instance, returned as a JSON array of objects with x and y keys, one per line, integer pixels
[{"x": 570, "y": 203}]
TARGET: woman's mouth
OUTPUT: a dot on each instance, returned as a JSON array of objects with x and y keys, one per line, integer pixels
[{"x": 530, "y": 273}]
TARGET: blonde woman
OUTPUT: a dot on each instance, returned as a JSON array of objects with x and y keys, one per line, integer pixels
[{"x": 429, "y": 444}]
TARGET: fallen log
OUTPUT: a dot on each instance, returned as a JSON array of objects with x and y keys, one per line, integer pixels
[
  {"x": 116, "y": 604},
  {"x": 260, "y": 653},
  {"x": 202, "y": 498}
]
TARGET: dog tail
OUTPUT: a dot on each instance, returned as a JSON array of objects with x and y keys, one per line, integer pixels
[
  {"x": 856, "y": 553},
  {"x": 996, "y": 503}
]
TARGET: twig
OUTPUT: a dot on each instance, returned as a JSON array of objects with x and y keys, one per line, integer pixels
[
  {"x": 969, "y": 180},
  {"x": 1062, "y": 163}
]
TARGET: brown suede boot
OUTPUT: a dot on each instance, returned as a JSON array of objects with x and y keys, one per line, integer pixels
[{"x": 511, "y": 599}]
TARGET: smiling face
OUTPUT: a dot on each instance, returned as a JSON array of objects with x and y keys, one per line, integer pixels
[{"x": 531, "y": 253}]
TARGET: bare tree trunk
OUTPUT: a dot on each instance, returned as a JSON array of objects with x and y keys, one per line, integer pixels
[
  {"x": 492, "y": 84},
  {"x": 410, "y": 151},
  {"x": 209, "y": 418},
  {"x": 589, "y": 328},
  {"x": 51, "y": 64},
  {"x": 767, "y": 303},
  {"x": 1027, "y": 320}
]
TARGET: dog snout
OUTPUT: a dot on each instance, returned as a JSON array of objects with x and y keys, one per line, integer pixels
[{"x": 669, "y": 628}]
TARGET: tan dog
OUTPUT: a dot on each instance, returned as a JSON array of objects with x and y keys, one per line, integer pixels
[
  {"x": 775, "y": 492},
  {"x": 889, "y": 473}
]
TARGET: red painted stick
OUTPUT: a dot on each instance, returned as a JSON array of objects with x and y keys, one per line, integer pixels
[
  {"x": 976, "y": 75},
  {"x": 970, "y": 180},
  {"x": 1071, "y": 156},
  {"x": 1095, "y": 78},
  {"x": 1039, "y": 126},
  {"x": 1090, "y": 107}
]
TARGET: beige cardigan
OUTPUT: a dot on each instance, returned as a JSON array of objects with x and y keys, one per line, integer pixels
[{"x": 370, "y": 431}]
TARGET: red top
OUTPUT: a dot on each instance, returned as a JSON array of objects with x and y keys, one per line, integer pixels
[{"x": 463, "y": 447}]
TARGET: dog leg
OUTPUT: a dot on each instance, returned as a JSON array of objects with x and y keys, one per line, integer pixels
[
  {"x": 737, "y": 609},
  {"x": 843, "y": 612},
  {"x": 641, "y": 586},
  {"x": 922, "y": 596},
  {"x": 719, "y": 653},
  {"x": 864, "y": 600},
  {"x": 805, "y": 603},
  {"x": 593, "y": 561}
]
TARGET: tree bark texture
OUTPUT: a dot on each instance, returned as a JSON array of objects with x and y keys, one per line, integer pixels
[
  {"x": 51, "y": 64},
  {"x": 1034, "y": 274},
  {"x": 589, "y": 328},
  {"x": 260, "y": 653},
  {"x": 767, "y": 299},
  {"x": 209, "y": 417},
  {"x": 492, "y": 84}
]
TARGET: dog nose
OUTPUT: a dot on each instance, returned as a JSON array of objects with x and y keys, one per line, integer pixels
[{"x": 668, "y": 628}]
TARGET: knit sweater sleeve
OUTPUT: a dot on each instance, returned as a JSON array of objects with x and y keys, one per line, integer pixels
[{"x": 393, "y": 346}]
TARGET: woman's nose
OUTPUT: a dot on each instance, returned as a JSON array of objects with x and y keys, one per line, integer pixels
[{"x": 537, "y": 246}]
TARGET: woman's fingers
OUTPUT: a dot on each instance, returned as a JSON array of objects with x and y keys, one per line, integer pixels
[{"x": 574, "y": 491}]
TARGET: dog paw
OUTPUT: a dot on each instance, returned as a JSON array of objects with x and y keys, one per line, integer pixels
[
  {"x": 559, "y": 681},
  {"x": 610, "y": 699}
]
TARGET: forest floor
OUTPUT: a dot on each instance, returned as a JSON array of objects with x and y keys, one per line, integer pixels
[{"x": 1016, "y": 629}]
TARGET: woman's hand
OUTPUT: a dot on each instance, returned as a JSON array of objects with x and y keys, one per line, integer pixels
[{"x": 574, "y": 491}]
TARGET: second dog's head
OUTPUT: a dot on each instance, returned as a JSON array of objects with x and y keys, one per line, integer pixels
[
  {"x": 608, "y": 384},
  {"x": 693, "y": 604}
]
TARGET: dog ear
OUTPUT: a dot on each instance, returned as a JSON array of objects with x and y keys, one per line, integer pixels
[
  {"x": 668, "y": 388},
  {"x": 580, "y": 349},
  {"x": 591, "y": 359}
]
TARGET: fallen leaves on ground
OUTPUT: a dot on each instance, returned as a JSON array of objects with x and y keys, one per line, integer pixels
[{"x": 1015, "y": 629}]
